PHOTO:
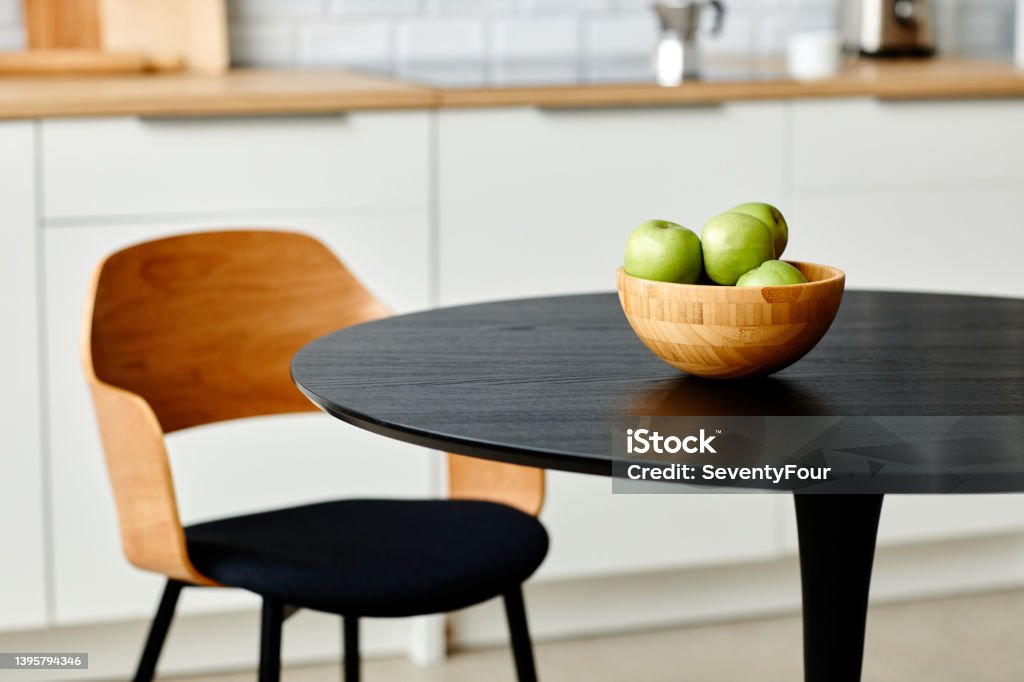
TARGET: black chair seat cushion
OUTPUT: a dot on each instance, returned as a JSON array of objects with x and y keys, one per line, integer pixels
[{"x": 377, "y": 558}]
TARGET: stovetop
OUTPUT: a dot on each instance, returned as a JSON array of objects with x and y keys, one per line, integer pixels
[{"x": 556, "y": 73}]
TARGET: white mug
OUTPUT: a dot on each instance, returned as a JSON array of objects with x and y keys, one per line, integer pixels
[{"x": 810, "y": 56}]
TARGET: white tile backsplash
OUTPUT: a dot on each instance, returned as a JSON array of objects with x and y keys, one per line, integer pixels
[
  {"x": 535, "y": 36},
  {"x": 362, "y": 42},
  {"x": 374, "y": 7},
  {"x": 981, "y": 31},
  {"x": 404, "y": 32},
  {"x": 737, "y": 38},
  {"x": 772, "y": 29},
  {"x": 11, "y": 38},
  {"x": 435, "y": 39},
  {"x": 622, "y": 34},
  {"x": 479, "y": 7},
  {"x": 632, "y": 5},
  {"x": 252, "y": 9},
  {"x": 566, "y": 5},
  {"x": 262, "y": 43},
  {"x": 10, "y": 13},
  {"x": 11, "y": 35}
]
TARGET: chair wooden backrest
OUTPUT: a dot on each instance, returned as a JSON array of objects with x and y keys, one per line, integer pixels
[{"x": 201, "y": 328}]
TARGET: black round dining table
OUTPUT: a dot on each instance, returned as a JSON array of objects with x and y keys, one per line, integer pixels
[{"x": 539, "y": 382}]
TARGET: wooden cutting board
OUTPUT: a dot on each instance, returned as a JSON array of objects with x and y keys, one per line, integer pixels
[
  {"x": 60, "y": 61},
  {"x": 166, "y": 34},
  {"x": 60, "y": 24},
  {"x": 190, "y": 32}
]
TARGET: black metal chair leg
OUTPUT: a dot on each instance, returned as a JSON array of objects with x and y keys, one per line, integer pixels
[
  {"x": 270, "y": 640},
  {"x": 146, "y": 669},
  {"x": 350, "y": 625},
  {"x": 522, "y": 648}
]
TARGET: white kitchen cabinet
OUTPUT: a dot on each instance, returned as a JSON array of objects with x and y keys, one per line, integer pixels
[
  {"x": 219, "y": 469},
  {"x": 22, "y": 501},
  {"x": 959, "y": 240},
  {"x": 910, "y": 519},
  {"x": 149, "y": 167},
  {"x": 528, "y": 202},
  {"x": 849, "y": 143},
  {"x": 595, "y": 533},
  {"x": 534, "y": 201},
  {"x": 945, "y": 232},
  {"x": 923, "y": 518}
]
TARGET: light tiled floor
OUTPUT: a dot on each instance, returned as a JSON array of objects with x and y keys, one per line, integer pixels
[{"x": 975, "y": 639}]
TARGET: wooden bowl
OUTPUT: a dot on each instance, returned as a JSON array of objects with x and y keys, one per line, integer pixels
[{"x": 723, "y": 332}]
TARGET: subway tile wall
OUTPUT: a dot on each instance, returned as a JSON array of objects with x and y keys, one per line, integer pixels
[
  {"x": 10, "y": 25},
  {"x": 400, "y": 33}
]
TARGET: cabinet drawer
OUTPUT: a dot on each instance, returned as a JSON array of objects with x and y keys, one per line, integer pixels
[
  {"x": 910, "y": 519},
  {"x": 595, "y": 533},
  {"x": 135, "y": 166},
  {"x": 921, "y": 518},
  {"x": 955, "y": 240},
  {"x": 848, "y": 142}
]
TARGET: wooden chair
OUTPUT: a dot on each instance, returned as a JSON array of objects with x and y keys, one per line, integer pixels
[{"x": 201, "y": 328}]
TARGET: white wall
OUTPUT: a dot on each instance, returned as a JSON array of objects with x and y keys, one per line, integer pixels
[{"x": 389, "y": 33}]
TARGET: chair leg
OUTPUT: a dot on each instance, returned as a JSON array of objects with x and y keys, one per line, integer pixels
[
  {"x": 270, "y": 640},
  {"x": 350, "y": 625},
  {"x": 522, "y": 648},
  {"x": 146, "y": 668}
]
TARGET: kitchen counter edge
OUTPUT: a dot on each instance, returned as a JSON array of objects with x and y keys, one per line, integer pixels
[{"x": 293, "y": 92}]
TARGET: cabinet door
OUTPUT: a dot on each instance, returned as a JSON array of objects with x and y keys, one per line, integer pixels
[
  {"x": 22, "y": 569},
  {"x": 137, "y": 166},
  {"x": 923, "y": 518},
  {"x": 596, "y": 533},
  {"x": 537, "y": 202},
  {"x": 220, "y": 469},
  {"x": 963, "y": 240},
  {"x": 848, "y": 143},
  {"x": 908, "y": 519},
  {"x": 918, "y": 197}
]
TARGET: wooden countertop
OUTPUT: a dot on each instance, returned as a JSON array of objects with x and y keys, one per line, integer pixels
[
  {"x": 254, "y": 92},
  {"x": 241, "y": 92},
  {"x": 896, "y": 79}
]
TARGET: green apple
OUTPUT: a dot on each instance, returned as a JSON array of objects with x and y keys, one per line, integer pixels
[
  {"x": 735, "y": 243},
  {"x": 772, "y": 273},
  {"x": 664, "y": 251},
  {"x": 770, "y": 216}
]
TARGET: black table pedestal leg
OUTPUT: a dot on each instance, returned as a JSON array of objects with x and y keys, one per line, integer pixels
[
  {"x": 352, "y": 666},
  {"x": 837, "y": 547},
  {"x": 270, "y": 640}
]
